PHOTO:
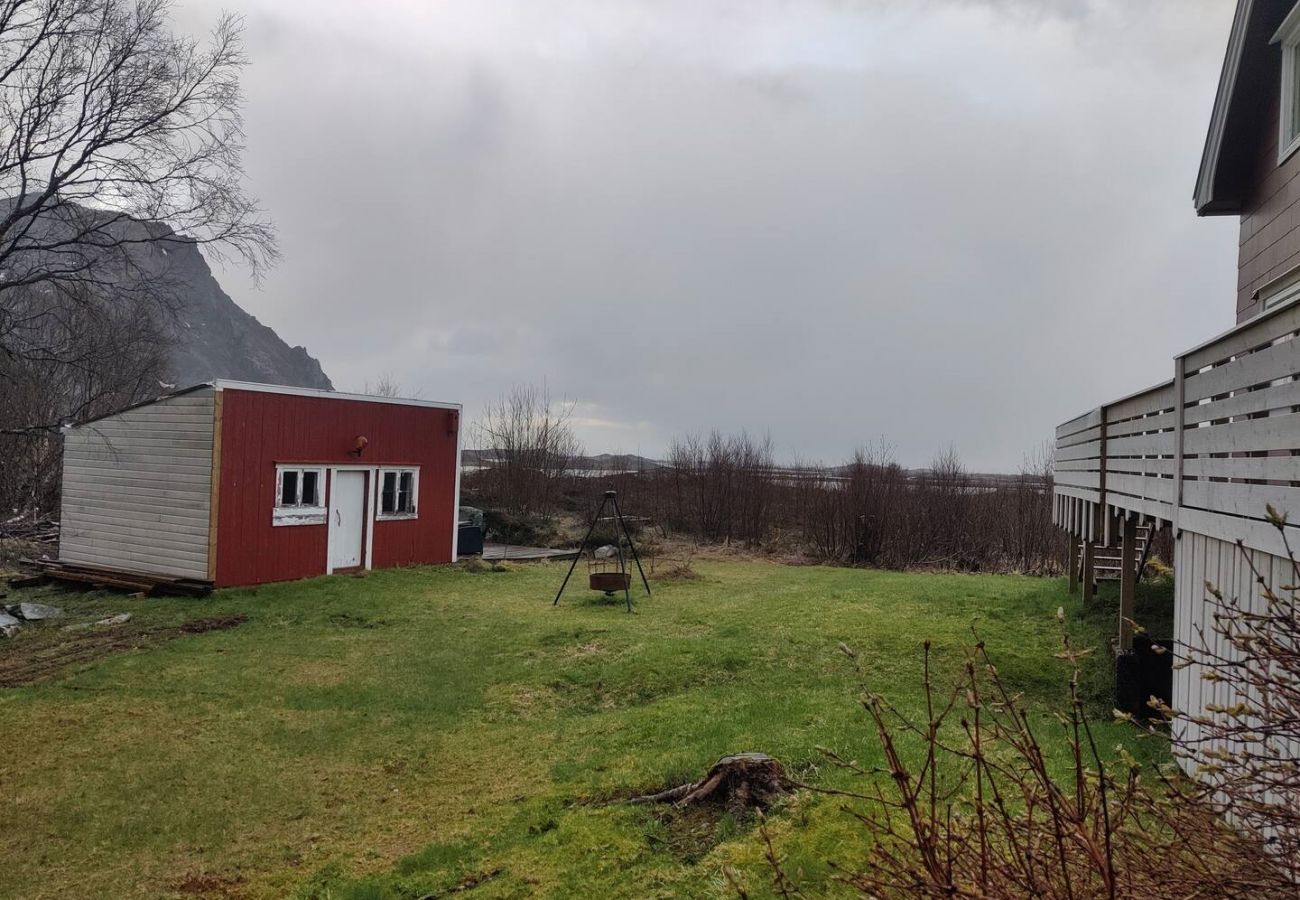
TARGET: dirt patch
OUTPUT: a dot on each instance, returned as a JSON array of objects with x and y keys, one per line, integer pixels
[
  {"x": 352, "y": 620},
  {"x": 218, "y": 623},
  {"x": 24, "y": 664},
  {"x": 209, "y": 885},
  {"x": 690, "y": 834}
]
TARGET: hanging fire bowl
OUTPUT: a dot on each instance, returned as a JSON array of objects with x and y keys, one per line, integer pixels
[{"x": 609, "y": 582}]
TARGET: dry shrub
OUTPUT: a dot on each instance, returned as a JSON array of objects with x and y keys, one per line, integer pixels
[
  {"x": 677, "y": 571},
  {"x": 727, "y": 490},
  {"x": 987, "y": 814},
  {"x": 476, "y": 565}
]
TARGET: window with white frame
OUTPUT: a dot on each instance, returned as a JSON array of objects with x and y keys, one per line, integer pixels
[
  {"x": 299, "y": 495},
  {"x": 1281, "y": 290},
  {"x": 398, "y": 491},
  {"x": 1289, "y": 113}
]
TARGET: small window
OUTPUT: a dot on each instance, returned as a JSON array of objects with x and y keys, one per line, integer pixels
[
  {"x": 398, "y": 492},
  {"x": 310, "y": 495},
  {"x": 1280, "y": 296},
  {"x": 1281, "y": 290},
  {"x": 1289, "y": 113},
  {"x": 289, "y": 488},
  {"x": 299, "y": 496}
]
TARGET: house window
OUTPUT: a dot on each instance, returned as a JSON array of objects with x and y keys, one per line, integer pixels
[
  {"x": 299, "y": 496},
  {"x": 1289, "y": 113},
  {"x": 1281, "y": 290},
  {"x": 398, "y": 490}
]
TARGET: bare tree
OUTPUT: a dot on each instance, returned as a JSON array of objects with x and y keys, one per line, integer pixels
[
  {"x": 528, "y": 446},
  {"x": 388, "y": 386},
  {"x": 119, "y": 356},
  {"x": 117, "y": 137}
]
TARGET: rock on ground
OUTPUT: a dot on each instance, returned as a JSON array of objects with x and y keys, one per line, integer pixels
[{"x": 35, "y": 612}]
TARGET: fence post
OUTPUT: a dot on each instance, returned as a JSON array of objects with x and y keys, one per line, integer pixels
[
  {"x": 1089, "y": 562},
  {"x": 1127, "y": 581},
  {"x": 1180, "y": 398}
]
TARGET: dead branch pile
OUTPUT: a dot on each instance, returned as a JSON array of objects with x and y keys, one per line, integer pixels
[{"x": 30, "y": 529}]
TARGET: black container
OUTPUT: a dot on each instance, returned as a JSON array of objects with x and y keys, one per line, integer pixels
[
  {"x": 1143, "y": 673},
  {"x": 470, "y": 541}
]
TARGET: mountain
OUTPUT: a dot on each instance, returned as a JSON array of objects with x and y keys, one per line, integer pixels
[
  {"x": 215, "y": 338},
  {"x": 210, "y": 335}
]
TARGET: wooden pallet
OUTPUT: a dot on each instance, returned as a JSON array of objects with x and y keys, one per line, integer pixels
[{"x": 137, "y": 582}]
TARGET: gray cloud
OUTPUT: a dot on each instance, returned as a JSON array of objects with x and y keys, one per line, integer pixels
[{"x": 829, "y": 221}]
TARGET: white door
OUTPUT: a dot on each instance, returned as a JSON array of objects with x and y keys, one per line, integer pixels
[{"x": 347, "y": 519}]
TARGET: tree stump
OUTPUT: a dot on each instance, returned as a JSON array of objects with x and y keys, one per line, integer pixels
[{"x": 740, "y": 782}]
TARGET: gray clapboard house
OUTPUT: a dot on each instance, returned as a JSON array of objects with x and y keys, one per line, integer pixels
[{"x": 1205, "y": 452}]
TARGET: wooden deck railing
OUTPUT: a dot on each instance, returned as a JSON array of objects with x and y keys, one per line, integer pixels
[{"x": 1205, "y": 451}]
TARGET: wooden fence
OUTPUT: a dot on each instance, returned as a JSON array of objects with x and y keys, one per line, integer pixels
[{"x": 1205, "y": 451}]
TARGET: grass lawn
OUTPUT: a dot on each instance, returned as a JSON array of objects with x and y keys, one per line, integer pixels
[{"x": 415, "y": 731}]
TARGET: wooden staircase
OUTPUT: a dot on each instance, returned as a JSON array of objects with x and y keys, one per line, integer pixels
[{"x": 1106, "y": 559}]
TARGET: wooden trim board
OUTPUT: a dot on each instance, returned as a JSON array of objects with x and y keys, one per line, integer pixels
[{"x": 214, "y": 505}]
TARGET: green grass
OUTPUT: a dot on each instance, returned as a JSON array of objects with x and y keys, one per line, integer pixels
[{"x": 414, "y": 731}]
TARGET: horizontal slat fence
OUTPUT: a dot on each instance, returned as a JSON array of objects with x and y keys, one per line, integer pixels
[
  {"x": 1241, "y": 433},
  {"x": 1206, "y": 451},
  {"x": 1119, "y": 456}
]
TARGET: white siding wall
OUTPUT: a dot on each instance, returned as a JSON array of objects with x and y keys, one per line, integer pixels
[
  {"x": 137, "y": 489},
  {"x": 1199, "y": 559}
]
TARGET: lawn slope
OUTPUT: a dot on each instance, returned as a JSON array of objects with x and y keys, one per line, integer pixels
[{"x": 421, "y": 731}]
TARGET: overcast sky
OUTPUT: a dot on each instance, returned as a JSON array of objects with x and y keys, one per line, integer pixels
[{"x": 950, "y": 222}]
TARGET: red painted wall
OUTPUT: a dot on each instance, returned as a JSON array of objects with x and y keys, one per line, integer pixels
[{"x": 260, "y": 430}]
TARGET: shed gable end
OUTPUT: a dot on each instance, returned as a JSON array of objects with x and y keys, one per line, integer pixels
[{"x": 137, "y": 488}]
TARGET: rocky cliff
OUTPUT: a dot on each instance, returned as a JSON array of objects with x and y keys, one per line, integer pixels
[{"x": 215, "y": 338}]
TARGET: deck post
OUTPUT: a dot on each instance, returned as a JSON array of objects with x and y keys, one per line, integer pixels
[
  {"x": 1089, "y": 575},
  {"x": 1072, "y": 562},
  {"x": 1127, "y": 582}
]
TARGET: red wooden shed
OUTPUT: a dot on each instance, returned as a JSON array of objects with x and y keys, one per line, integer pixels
[{"x": 235, "y": 483}]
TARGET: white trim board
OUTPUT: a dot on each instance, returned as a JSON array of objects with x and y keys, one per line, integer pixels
[
  {"x": 411, "y": 514},
  {"x": 223, "y": 384},
  {"x": 1288, "y": 139},
  {"x": 455, "y": 504},
  {"x": 282, "y": 516},
  {"x": 1204, "y": 192},
  {"x": 370, "y": 512}
]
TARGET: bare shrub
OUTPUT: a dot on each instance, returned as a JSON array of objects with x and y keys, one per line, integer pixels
[
  {"x": 874, "y": 512},
  {"x": 527, "y": 447},
  {"x": 728, "y": 489},
  {"x": 722, "y": 487},
  {"x": 988, "y": 813}
]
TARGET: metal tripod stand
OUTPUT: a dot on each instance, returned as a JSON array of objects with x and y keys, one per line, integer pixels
[{"x": 610, "y": 496}]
